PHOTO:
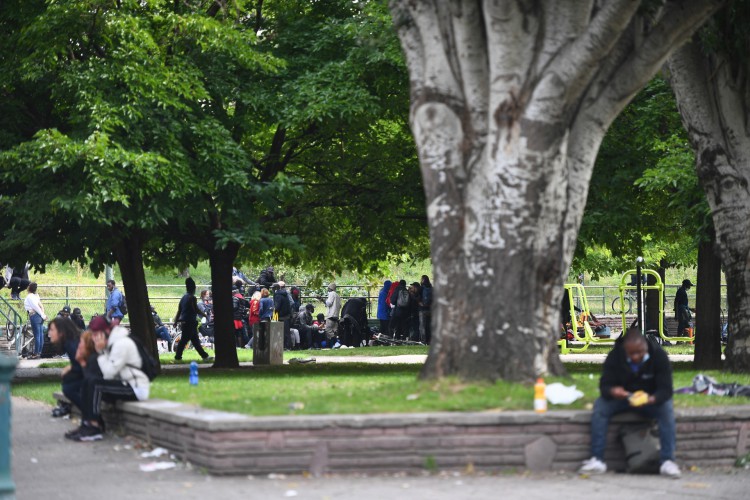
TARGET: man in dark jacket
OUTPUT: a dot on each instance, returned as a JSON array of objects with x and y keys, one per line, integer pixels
[
  {"x": 401, "y": 301},
  {"x": 267, "y": 278},
  {"x": 682, "y": 308},
  {"x": 282, "y": 304},
  {"x": 634, "y": 365}
]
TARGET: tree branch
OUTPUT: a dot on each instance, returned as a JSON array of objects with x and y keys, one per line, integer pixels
[{"x": 678, "y": 21}]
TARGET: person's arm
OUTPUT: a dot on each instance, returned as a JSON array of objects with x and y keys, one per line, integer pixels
[
  {"x": 113, "y": 360},
  {"x": 663, "y": 375},
  {"x": 609, "y": 385},
  {"x": 329, "y": 299},
  {"x": 36, "y": 305},
  {"x": 179, "y": 311},
  {"x": 194, "y": 306}
]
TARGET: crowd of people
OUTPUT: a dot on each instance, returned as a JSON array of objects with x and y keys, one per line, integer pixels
[{"x": 404, "y": 311}]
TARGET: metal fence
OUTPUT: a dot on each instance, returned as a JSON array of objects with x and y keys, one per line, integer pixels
[{"x": 91, "y": 299}]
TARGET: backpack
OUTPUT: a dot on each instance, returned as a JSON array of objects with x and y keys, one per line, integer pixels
[
  {"x": 149, "y": 366},
  {"x": 123, "y": 305},
  {"x": 641, "y": 443},
  {"x": 403, "y": 298}
]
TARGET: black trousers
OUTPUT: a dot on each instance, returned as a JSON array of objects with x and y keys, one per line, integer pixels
[
  {"x": 96, "y": 390},
  {"x": 18, "y": 285},
  {"x": 189, "y": 334}
]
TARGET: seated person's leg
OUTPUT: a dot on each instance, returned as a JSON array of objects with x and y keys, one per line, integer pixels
[
  {"x": 603, "y": 411},
  {"x": 72, "y": 390}
]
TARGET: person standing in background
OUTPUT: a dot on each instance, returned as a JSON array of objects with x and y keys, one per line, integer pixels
[
  {"x": 682, "y": 310},
  {"x": 37, "y": 317},
  {"x": 113, "y": 312},
  {"x": 384, "y": 309}
]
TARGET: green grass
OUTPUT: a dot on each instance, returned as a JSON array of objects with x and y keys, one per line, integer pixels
[{"x": 330, "y": 388}]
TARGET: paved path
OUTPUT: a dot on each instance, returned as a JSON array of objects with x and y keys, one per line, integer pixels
[
  {"x": 29, "y": 368},
  {"x": 45, "y": 465}
]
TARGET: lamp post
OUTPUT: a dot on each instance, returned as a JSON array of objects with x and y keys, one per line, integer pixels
[{"x": 7, "y": 368}]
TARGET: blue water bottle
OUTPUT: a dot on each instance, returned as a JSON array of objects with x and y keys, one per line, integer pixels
[{"x": 193, "y": 373}]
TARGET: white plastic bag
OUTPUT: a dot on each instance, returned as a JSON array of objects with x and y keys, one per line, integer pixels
[{"x": 558, "y": 394}]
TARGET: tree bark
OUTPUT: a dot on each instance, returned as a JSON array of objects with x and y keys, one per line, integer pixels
[
  {"x": 712, "y": 94},
  {"x": 510, "y": 101},
  {"x": 708, "y": 308},
  {"x": 129, "y": 256},
  {"x": 221, "y": 261}
]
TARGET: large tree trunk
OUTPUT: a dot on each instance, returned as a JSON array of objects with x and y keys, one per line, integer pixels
[
  {"x": 128, "y": 253},
  {"x": 708, "y": 308},
  {"x": 221, "y": 261},
  {"x": 510, "y": 101},
  {"x": 713, "y": 95}
]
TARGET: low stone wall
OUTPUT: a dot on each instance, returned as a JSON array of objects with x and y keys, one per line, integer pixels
[{"x": 228, "y": 443}]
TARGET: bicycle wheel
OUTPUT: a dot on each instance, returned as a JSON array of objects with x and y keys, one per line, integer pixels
[
  {"x": 617, "y": 307},
  {"x": 10, "y": 331},
  {"x": 27, "y": 340}
]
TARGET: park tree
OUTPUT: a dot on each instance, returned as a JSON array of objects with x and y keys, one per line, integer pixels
[
  {"x": 710, "y": 78},
  {"x": 510, "y": 102},
  {"x": 115, "y": 126},
  {"x": 333, "y": 120},
  {"x": 644, "y": 199}
]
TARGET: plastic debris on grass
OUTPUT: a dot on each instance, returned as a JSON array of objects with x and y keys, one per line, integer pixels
[{"x": 559, "y": 394}]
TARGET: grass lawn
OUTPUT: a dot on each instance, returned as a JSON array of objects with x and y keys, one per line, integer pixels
[{"x": 367, "y": 388}]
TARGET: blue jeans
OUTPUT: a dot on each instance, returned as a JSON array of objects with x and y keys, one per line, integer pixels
[
  {"x": 37, "y": 326},
  {"x": 604, "y": 409},
  {"x": 163, "y": 333}
]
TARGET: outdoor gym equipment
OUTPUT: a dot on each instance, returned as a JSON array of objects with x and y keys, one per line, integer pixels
[
  {"x": 577, "y": 295},
  {"x": 626, "y": 287}
]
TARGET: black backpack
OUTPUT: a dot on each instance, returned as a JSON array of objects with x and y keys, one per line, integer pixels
[
  {"x": 149, "y": 366},
  {"x": 403, "y": 298},
  {"x": 123, "y": 305}
]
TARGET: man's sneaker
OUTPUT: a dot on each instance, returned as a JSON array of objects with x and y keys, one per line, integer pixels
[
  {"x": 208, "y": 359},
  {"x": 593, "y": 466},
  {"x": 89, "y": 433},
  {"x": 73, "y": 433},
  {"x": 670, "y": 469}
]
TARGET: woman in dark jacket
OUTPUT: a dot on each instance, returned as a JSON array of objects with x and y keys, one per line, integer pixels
[{"x": 64, "y": 333}]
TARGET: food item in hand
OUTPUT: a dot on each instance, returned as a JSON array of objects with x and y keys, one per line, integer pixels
[{"x": 638, "y": 398}]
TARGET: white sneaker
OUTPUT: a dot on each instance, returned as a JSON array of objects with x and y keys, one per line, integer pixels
[
  {"x": 670, "y": 469},
  {"x": 592, "y": 466}
]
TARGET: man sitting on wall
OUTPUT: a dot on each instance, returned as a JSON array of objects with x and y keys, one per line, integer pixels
[{"x": 636, "y": 376}]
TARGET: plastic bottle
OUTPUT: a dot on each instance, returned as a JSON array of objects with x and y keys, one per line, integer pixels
[
  {"x": 193, "y": 373},
  {"x": 540, "y": 399}
]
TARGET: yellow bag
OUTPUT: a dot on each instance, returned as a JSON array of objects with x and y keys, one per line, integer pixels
[{"x": 275, "y": 316}]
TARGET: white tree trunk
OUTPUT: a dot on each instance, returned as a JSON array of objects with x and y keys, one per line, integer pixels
[
  {"x": 510, "y": 101},
  {"x": 713, "y": 97}
]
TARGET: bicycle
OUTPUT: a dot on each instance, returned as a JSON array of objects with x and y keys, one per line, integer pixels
[
  {"x": 26, "y": 347},
  {"x": 627, "y": 299}
]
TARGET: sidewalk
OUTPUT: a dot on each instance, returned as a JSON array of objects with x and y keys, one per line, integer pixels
[
  {"x": 45, "y": 465},
  {"x": 29, "y": 368}
]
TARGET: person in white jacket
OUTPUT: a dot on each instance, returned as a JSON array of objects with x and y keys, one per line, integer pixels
[
  {"x": 122, "y": 379},
  {"x": 37, "y": 317}
]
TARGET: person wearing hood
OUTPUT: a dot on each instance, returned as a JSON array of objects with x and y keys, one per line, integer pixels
[
  {"x": 401, "y": 302},
  {"x": 384, "y": 310},
  {"x": 637, "y": 377},
  {"x": 682, "y": 309},
  {"x": 122, "y": 377}
]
